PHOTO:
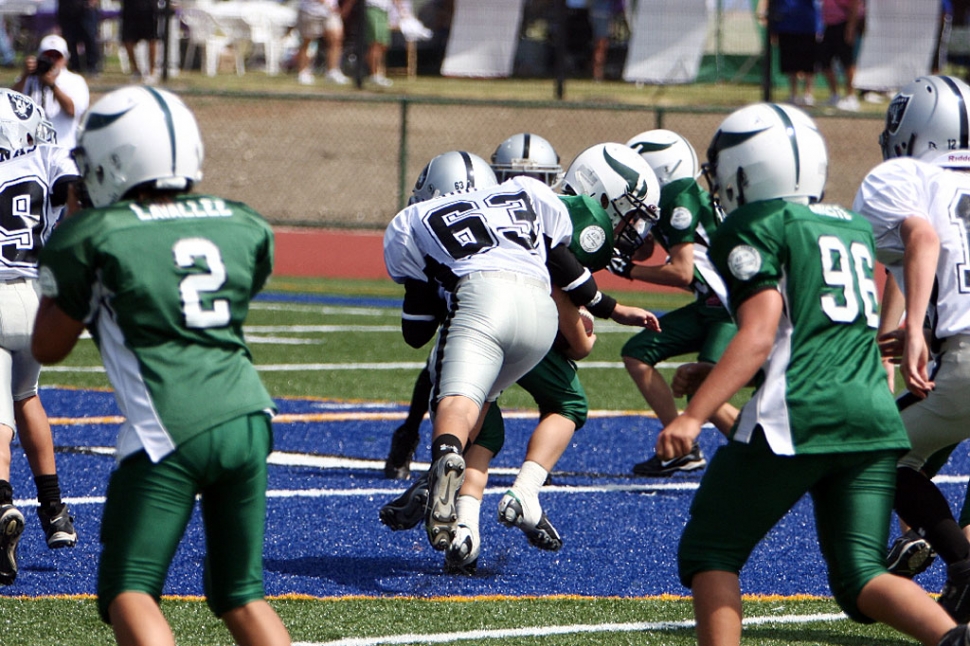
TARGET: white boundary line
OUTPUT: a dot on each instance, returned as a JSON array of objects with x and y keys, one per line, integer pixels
[
  {"x": 545, "y": 631},
  {"x": 280, "y": 458}
]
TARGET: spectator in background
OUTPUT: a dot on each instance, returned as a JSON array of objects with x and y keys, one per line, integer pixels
[
  {"x": 844, "y": 23},
  {"x": 793, "y": 25},
  {"x": 140, "y": 21},
  {"x": 8, "y": 58},
  {"x": 316, "y": 19},
  {"x": 62, "y": 94},
  {"x": 437, "y": 16},
  {"x": 378, "y": 37},
  {"x": 954, "y": 15},
  {"x": 601, "y": 14},
  {"x": 579, "y": 36},
  {"x": 78, "y": 20}
]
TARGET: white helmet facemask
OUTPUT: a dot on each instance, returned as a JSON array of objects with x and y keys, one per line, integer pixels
[
  {"x": 527, "y": 154},
  {"x": 624, "y": 185}
]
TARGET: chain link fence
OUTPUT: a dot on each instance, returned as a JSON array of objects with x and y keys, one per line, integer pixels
[{"x": 351, "y": 161}]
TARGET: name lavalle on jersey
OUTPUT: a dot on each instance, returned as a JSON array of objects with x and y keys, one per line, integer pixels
[{"x": 203, "y": 207}]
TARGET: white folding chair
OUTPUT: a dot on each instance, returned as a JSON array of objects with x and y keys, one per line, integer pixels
[
  {"x": 267, "y": 31},
  {"x": 205, "y": 33}
]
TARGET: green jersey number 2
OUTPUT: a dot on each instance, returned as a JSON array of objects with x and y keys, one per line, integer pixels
[
  {"x": 844, "y": 269},
  {"x": 194, "y": 286}
]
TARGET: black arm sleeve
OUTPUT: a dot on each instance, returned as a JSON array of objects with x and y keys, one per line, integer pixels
[
  {"x": 576, "y": 280},
  {"x": 59, "y": 190},
  {"x": 422, "y": 313}
]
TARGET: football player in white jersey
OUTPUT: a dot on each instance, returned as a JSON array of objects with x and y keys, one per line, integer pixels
[
  {"x": 553, "y": 383},
  {"x": 487, "y": 249},
  {"x": 36, "y": 176},
  {"x": 918, "y": 202}
]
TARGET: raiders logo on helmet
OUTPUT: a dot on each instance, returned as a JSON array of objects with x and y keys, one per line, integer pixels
[
  {"x": 22, "y": 108},
  {"x": 895, "y": 112}
]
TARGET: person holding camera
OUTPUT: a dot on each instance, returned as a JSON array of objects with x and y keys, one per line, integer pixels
[{"x": 63, "y": 94}]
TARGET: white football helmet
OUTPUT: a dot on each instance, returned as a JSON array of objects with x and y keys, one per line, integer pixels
[
  {"x": 527, "y": 154},
  {"x": 767, "y": 151},
  {"x": 137, "y": 135},
  {"x": 452, "y": 171},
  {"x": 22, "y": 122},
  {"x": 927, "y": 117},
  {"x": 623, "y": 184},
  {"x": 669, "y": 155}
]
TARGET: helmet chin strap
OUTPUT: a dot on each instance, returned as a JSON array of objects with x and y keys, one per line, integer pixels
[{"x": 631, "y": 232}]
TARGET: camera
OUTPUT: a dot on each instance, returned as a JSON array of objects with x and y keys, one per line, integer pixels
[{"x": 44, "y": 65}]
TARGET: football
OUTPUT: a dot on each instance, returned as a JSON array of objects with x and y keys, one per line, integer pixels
[{"x": 587, "y": 320}]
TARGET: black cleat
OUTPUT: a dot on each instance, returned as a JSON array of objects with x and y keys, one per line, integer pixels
[
  {"x": 11, "y": 527},
  {"x": 404, "y": 443},
  {"x": 909, "y": 555},
  {"x": 543, "y": 536},
  {"x": 955, "y": 597},
  {"x": 461, "y": 557},
  {"x": 958, "y": 636},
  {"x": 447, "y": 473},
  {"x": 657, "y": 468},
  {"x": 408, "y": 509},
  {"x": 58, "y": 525}
]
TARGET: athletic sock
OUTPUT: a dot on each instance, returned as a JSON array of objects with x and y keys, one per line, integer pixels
[
  {"x": 921, "y": 506},
  {"x": 48, "y": 490},
  {"x": 469, "y": 510},
  {"x": 446, "y": 443},
  {"x": 419, "y": 400},
  {"x": 6, "y": 493},
  {"x": 530, "y": 479},
  {"x": 526, "y": 489}
]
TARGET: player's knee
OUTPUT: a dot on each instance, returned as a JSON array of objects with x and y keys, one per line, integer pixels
[{"x": 576, "y": 411}]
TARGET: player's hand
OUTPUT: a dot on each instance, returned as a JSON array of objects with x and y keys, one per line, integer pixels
[
  {"x": 689, "y": 378},
  {"x": 627, "y": 315},
  {"x": 677, "y": 438},
  {"x": 30, "y": 64},
  {"x": 914, "y": 366},
  {"x": 620, "y": 264},
  {"x": 891, "y": 345}
]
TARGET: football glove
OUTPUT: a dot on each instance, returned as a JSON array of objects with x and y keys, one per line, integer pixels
[{"x": 621, "y": 264}]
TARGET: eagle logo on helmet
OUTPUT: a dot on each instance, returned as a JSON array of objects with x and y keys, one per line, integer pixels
[
  {"x": 634, "y": 186},
  {"x": 21, "y": 106},
  {"x": 649, "y": 147}
]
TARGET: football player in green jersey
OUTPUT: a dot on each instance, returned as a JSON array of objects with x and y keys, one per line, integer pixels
[
  {"x": 822, "y": 422},
  {"x": 687, "y": 221},
  {"x": 162, "y": 279}
]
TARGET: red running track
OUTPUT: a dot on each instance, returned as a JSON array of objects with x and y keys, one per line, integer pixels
[{"x": 335, "y": 253}]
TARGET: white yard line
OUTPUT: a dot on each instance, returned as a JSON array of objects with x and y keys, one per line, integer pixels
[{"x": 545, "y": 631}]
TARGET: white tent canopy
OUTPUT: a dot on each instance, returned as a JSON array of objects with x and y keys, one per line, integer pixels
[
  {"x": 483, "y": 39},
  {"x": 898, "y": 43},
  {"x": 667, "y": 40}
]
